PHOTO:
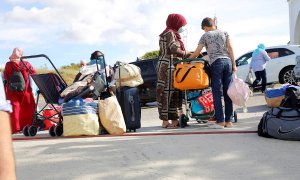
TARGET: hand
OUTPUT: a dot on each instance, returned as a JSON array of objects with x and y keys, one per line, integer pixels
[
  {"x": 188, "y": 54},
  {"x": 234, "y": 69}
]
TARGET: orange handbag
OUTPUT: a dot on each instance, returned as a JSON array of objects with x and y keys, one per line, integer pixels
[{"x": 190, "y": 76}]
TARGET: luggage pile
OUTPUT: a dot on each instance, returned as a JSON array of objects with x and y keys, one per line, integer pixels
[
  {"x": 283, "y": 122},
  {"x": 113, "y": 114},
  {"x": 88, "y": 107}
]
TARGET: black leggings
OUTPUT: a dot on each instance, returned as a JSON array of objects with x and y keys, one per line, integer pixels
[{"x": 260, "y": 76}]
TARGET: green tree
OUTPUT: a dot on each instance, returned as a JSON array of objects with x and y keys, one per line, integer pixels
[{"x": 151, "y": 54}]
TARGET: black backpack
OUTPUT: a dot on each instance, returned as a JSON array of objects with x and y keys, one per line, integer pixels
[
  {"x": 291, "y": 99},
  {"x": 16, "y": 81}
]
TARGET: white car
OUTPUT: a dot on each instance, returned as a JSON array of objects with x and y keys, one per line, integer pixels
[{"x": 279, "y": 68}]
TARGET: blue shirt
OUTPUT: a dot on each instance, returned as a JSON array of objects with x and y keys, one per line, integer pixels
[{"x": 259, "y": 61}]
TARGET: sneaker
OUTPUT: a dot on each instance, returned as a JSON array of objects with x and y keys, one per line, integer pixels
[{"x": 215, "y": 126}]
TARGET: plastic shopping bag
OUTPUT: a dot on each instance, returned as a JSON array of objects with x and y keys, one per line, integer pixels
[
  {"x": 238, "y": 91},
  {"x": 111, "y": 116},
  {"x": 250, "y": 78},
  {"x": 80, "y": 118}
]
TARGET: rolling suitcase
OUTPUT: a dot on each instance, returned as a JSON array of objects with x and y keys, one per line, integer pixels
[{"x": 129, "y": 101}]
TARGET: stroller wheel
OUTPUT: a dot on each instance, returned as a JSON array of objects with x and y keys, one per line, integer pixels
[
  {"x": 25, "y": 131},
  {"x": 183, "y": 119},
  {"x": 58, "y": 130},
  {"x": 51, "y": 131},
  {"x": 235, "y": 116},
  {"x": 32, "y": 130}
]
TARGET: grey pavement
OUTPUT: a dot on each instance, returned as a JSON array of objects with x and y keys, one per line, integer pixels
[{"x": 194, "y": 152}]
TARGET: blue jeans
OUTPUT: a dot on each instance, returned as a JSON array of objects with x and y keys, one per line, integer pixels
[{"x": 221, "y": 76}]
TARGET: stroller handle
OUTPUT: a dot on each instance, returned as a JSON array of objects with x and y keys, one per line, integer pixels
[
  {"x": 191, "y": 59},
  {"x": 38, "y": 56}
]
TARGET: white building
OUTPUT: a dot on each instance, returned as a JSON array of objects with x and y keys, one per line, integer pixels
[{"x": 294, "y": 9}]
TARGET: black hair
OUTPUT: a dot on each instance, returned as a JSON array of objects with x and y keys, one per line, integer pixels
[
  {"x": 207, "y": 22},
  {"x": 95, "y": 55}
]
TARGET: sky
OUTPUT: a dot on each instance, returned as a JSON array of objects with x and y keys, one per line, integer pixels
[{"x": 68, "y": 31}]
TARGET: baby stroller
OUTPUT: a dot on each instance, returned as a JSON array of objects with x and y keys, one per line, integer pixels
[
  {"x": 198, "y": 101},
  {"x": 50, "y": 85}
]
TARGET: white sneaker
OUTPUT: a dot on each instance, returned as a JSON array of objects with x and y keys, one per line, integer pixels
[{"x": 215, "y": 126}]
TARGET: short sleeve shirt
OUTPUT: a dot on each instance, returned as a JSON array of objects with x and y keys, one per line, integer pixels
[{"x": 215, "y": 43}]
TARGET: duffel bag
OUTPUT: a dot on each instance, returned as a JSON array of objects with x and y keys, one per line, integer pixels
[
  {"x": 189, "y": 76},
  {"x": 280, "y": 123},
  {"x": 128, "y": 75},
  {"x": 80, "y": 118}
]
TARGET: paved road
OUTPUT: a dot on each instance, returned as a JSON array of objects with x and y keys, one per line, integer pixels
[{"x": 195, "y": 152}]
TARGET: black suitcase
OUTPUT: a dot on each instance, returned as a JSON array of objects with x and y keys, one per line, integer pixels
[{"x": 128, "y": 98}]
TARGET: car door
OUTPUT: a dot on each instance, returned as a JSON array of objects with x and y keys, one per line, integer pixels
[
  {"x": 243, "y": 65},
  {"x": 280, "y": 58}
]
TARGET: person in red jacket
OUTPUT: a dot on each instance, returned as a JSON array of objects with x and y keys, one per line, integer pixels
[{"x": 23, "y": 103}]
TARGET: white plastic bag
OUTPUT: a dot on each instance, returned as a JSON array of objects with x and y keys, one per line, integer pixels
[
  {"x": 239, "y": 91},
  {"x": 128, "y": 75},
  {"x": 250, "y": 78},
  {"x": 111, "y": 116}
]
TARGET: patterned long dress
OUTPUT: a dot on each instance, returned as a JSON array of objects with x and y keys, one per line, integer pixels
[{"x": 169, "y": 99}]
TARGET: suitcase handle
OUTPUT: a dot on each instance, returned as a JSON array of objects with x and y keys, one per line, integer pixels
[{"x": 131, "y": 101}]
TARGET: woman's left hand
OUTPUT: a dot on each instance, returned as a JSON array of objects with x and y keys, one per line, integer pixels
[{"x": 234, "y": 69}]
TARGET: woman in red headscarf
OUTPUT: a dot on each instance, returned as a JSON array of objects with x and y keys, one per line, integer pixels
[
  {"x": 171, "y": 49},
  {"x": 23, "y": 103}
]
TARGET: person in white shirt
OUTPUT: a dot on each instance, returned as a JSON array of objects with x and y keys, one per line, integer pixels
[{"x": 7, "y": 162}]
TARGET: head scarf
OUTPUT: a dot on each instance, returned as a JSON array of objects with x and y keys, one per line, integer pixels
[
  {"x": 174, "y": 22},
  {"x": 16, "y": 55},
  {"x": 260, "y": 47}
]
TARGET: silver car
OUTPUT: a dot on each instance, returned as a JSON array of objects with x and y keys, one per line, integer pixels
[{"x": 279, "y": 68}]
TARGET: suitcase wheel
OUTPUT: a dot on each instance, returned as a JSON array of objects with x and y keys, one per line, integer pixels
[
  {"x": 129, "y": 130},
  {"x": 32, "y": 130},
  {"x": 235, "y": 116},
  {"x": 183, "y": 121},
  {"x": 51, "y": 131},
  {"x": 58, "y": 130},
  {"x": 25, "y": 130}
]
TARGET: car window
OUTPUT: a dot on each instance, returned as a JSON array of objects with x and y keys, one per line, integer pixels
[
  {"x": 155, "y": 64},
  {"x": 147, "y": 67},
  {"x": 279, "y": 52},
  {"x": 245, "y": 59}
]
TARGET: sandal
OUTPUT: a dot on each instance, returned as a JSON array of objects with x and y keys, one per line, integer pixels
[{"x": 165, "y": 124}]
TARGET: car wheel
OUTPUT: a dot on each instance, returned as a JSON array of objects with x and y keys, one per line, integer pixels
[{"x": 287, "y": 76}]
